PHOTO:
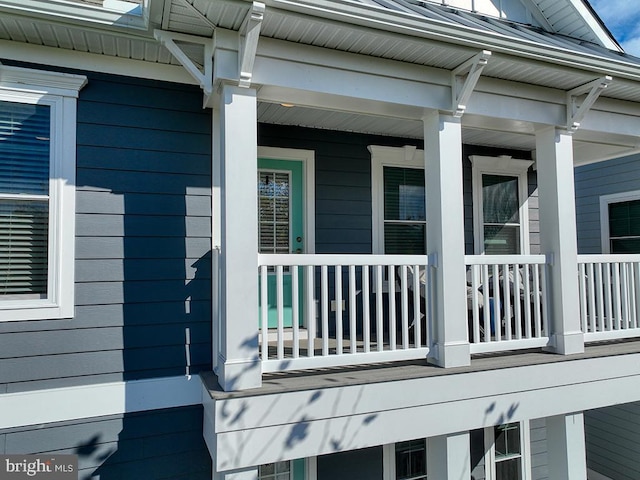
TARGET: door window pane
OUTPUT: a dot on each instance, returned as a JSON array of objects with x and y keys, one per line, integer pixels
[{"x": 274, "y": 207}]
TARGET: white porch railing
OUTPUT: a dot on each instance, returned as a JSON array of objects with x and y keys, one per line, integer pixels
[
  {"x": 507, "y": 302},
  {"x": 609, "y": 296},
  {"x": 342, "y": 309}
]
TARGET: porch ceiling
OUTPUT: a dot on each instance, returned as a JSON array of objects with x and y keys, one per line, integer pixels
[{"x": 588, "y": 147}]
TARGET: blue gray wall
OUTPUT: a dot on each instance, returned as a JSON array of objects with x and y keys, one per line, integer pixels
[
  {"x": 591, "y": 182},
  {"x": 142, "y": 244},
  {"x": 613, "y": 441},
  {"x": 163, "y": 444},
  {"x": 343, "y": 184},
  {"x": 613, "y": 433},
  {"x": 365, "y": 464}
]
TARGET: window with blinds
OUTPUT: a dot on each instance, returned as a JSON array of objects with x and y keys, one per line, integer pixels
[
  {"x": 24, "y": 200},
  {"x": 404, "y": 211}
]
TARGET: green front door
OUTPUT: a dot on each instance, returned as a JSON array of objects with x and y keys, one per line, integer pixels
[{"x": 280, "y": 224}]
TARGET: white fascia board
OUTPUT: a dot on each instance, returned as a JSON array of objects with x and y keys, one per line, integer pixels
[
  {"x": 71, "y": 403},
  {"x": 294, "y": 424},
  {"x": 421, "y": 27},
  {"x": 595, "y": 26},
  {"x": 58, "y": 57},
  {"x": 73, "y": 11}
]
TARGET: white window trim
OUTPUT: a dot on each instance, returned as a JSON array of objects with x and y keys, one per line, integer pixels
[
  {"x": 406, "y": 157},
  {"x": 503, "y": 165},
  {"x": 307, "y": 157},
  {"x": 605, "y": 201},
  {"x": 60, "y": 92},
  {"x": 389, "y": 460},
  {"x": 525, "y": 451}
]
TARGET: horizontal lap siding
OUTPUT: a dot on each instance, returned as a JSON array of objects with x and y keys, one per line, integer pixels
[
  {"x": 163, "y": 444},
  {"x": 143, "y": 240},
  {"x": 593, "y": 181},
  {"x": 613, "y": 441},
  {"x": 539, "y": 460}
]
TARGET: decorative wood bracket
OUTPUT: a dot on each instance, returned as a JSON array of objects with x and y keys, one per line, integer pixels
[
  {"x": 202, "y": 74},
  {"x": 576, "y": 113},
  {"x": 468, "y": 74},
  {"x": 249, "y": 36}
]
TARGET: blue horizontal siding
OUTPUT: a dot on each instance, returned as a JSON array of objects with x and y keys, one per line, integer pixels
[
  {"x": 163, "y": 444},
  {"x": 593, "y": 181},
  {"x": 143, "y": 241}
]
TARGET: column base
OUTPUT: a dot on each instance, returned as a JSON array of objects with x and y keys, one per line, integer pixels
[
  {"x": 241, "y": 374},
  {"x": 451, "y": 355},
  {"x": 567, "y": 343}
]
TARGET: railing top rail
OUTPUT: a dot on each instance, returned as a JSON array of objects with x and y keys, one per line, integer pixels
[
  {"x": 609, "y": 258},
  {"x": 505, "y": 259},
  {"x": 292, "y": 259}
]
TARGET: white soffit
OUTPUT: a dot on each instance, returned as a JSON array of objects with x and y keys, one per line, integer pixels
[{"x": 40, "y": 32}]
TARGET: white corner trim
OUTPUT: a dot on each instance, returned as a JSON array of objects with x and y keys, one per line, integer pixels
[
  {"x": 605, "y": 201},
  {"x": 307, "y": 157},
  {"x": 72, "y": 403},
  {"x": 408, "y": 156}
]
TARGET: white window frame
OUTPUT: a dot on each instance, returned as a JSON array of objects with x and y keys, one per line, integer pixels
[
  {"x": 506, "y": 166},
  {"x": 389, "y": 460},
  {"x": 60, "y": 92},
  {"x": 605, "y": 201},
  {"x": 525, "y": 451},
  {"x": 402, "y": 157}
]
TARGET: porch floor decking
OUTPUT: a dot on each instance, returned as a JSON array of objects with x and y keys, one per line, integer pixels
[{"x": 406, "y": 370}]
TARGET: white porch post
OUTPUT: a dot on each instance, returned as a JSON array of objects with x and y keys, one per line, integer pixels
[
  {"x": 566, "y": 447},
  {"x": 448, "y": 456},
  {"x": 238, "y": 363},
  {"x": 445, "y": 237},
  {"x": 558, "y": 237},
  {"x": 250, "y": 473}
]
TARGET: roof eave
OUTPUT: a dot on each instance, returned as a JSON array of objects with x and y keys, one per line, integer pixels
[
  {"x": 345, "y": 11},
  {"x": 76, "y": 12}
]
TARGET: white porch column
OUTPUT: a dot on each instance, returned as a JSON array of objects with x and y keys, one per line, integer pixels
[
  {"x": 558, "y": 237},
  {"x": 250, "y": 473},
  {"x": 448, "y": 457},
  {"x": 238, "y": 362},
  {"x": 445, "y": 237},
  {"x": 566, "y": 447}
]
